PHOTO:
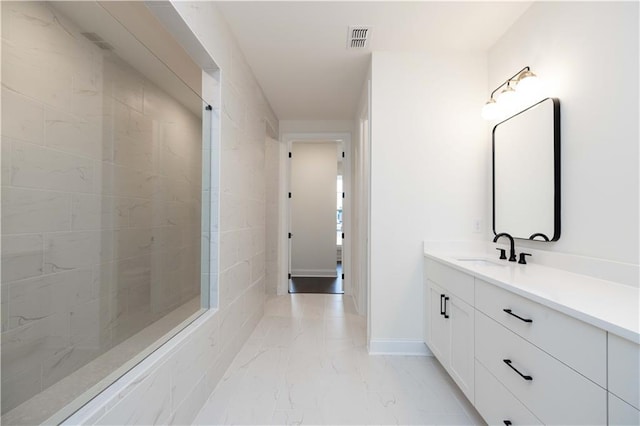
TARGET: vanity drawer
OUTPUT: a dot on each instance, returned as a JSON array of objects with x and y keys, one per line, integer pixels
[
  {"x": 624, "y": 369},
  {"x": 556, "y": 394},
  {"x": 496, "y": 404},
  {"x": 450, "y": 279},
  {"x": 565, "y": 338}
]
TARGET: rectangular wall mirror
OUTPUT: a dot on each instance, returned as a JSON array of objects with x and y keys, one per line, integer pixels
[{"x": 526, "y": 173}]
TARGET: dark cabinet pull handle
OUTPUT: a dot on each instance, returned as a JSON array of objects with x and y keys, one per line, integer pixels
[
  {"x": 441, "y": 304},
  {"x": 445, "y": 307},
  {"x": 519, "y": 317},
  {"x": 508, "y": 423},
  {"x": 508, "y": 362}
]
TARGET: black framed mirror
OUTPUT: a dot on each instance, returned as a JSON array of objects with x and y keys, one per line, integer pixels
[{"x": 526, "y": 173}]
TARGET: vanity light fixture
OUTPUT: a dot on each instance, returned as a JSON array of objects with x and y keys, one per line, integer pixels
[{"x": 525, "y": 82}]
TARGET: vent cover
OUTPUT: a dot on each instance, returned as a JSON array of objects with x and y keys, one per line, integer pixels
[
  {"x": 98, "y": 41},
  {"x": 359, "y": 36}
]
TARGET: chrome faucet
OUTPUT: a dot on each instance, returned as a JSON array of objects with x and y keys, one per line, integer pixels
[{"x": 512, "y": 254}]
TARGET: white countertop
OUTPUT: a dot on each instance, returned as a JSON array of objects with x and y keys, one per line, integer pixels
[{"x": 607, "y": 305}]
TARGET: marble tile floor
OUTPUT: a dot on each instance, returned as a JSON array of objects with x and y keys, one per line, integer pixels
[{"x": 306, "y": 363}]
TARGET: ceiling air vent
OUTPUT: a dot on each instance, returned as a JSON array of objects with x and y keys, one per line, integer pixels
[
  {"x": 358, "y": 37},
  {"x": 98, "y": 41}
]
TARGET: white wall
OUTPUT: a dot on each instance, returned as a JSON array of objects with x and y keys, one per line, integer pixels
[
  {"x": 431, "y": 163},
  {"x": 429, "y": 153},
  {"x": 313, "y": 208},
  {"x": 171, "y": 386},
  {"x": 586, "y": 53},
  {"x": 360, "y": 199},
  {"x": 272, "y": 176}
]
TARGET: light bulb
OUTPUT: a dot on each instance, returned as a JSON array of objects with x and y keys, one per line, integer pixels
[
  {"x": 507, "y": 101},
  {"x": 507, "y": 96},
  {"x": 490, "y": 110},
  {"x": 528, "y": 84}
]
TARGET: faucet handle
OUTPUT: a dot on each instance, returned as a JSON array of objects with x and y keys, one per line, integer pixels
[
  {"x": 523, "y": 260},
  {"x": 503, "y": 254}
]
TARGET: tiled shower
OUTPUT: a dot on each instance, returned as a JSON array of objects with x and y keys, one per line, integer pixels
[{"x": 101, "y": 209}]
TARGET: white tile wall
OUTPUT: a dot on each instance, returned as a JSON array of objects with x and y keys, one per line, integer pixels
[
  {"x": 272, "y": 164},
  {"x": 25, "y": 119},
  {"x": 101, "y": 199},
  {"x": 37, "y": 167},
  {"x": 29, "y": 210},
  {"x": 25, "y": 256},
  {"x": 199, "y": 355}
]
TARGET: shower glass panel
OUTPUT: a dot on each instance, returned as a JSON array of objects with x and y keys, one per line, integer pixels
[{"x": 103, "y": 205}]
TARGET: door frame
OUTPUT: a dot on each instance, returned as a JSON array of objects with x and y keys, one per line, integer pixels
[{"x": 284, "y": 224}]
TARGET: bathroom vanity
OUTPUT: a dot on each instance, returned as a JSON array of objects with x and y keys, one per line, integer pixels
[{"x": 529, "y": 344}]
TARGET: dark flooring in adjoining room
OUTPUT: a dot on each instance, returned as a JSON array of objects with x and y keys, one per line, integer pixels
[{"x": 324, "y": 285}]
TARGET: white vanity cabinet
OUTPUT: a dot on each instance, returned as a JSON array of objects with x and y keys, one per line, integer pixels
[
  {"x": 566, "y": 339},
  {"x": 524, "y": 361},
  {"x": 450, "y": 322},
  {"x": 564, "y": 359},
  {"x": 553, "y": 392}
]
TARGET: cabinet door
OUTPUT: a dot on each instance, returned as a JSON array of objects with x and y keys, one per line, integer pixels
[
  {"x": 461, "y": 352},
  {"x": 426, "y": 309},
  {"x": 624, "y": 369},
  {"x": 438, "y": 326}
]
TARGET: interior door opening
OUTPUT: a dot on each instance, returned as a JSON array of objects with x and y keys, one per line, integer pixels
[{"x": 316, "y": 213}]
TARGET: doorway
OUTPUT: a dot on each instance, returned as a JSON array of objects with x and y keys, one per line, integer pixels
[{"x": 316, "y": 215}]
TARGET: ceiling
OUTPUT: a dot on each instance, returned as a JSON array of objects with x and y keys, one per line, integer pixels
[{"x": 298, "y": 50}]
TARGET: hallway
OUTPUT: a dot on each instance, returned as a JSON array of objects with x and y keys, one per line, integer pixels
[{"x": 306, "y": 363}]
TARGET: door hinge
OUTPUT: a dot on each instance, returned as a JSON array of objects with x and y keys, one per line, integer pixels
[
  {"x": 343, "y": 276},
  {"x": 342, "y": 154},
  {"x": 290, "y": 235},
  {"x": 290, "y": 155},
  {"x": 289, "y": 275},
  {"x": 289, "y": 195},
  {"x": 343, "y": 235},
  {"x": 343, "y": 195}
]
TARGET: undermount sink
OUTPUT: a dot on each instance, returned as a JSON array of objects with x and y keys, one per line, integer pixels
[{"x": 479, "y": 261}]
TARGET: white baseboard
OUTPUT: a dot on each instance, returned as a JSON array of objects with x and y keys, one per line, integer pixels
[
  {"x": 314, "y": 273},
  {"x": 398, "y": 347}
]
